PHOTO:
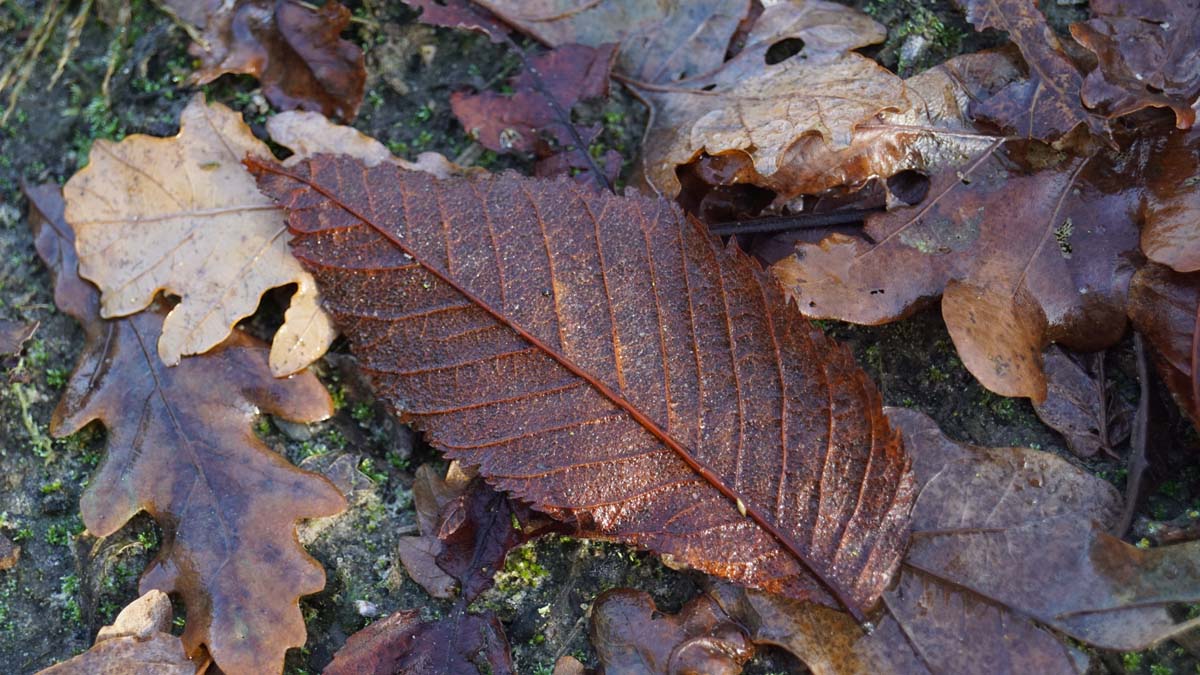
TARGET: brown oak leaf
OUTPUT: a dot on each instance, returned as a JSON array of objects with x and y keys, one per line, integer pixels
[
  {"x": 1046, "y": 106},
  {"x": 1148, "y": 54},
  {"x": 403, "y": 644},
  {"x": 604, "y": 360},
  {"x": 1008, "y": 545},
  {"x": 1025, "y": 246},
  {"x": 181, "y": 447},
  {"x": 296, "y": 52}
]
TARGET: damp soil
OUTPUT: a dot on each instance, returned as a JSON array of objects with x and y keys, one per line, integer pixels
[{"x": 67, "y": 583}]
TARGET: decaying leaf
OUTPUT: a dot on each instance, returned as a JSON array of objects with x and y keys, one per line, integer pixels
[
  {"x": 182, "y": 215},
  {"x": 605, "y": 361},
  {"x": 13, "y": 334},
  {"x": 1171, "y": 206},
  {"x": 467, "y": 530},
  {"x": 461, "y": 14},
  {"x": 181, "y": 447},
  {"x": 1081, "y": 404},
  {"x": 536, "y": 117},
  {"x": 1148, "y": 54},
  {"x": 138, "y": 643},
  {"x": 1163, "y": 306},
  {"x": 1025, "y": 246},
  {"x": 761, "y": 109},
  {"x": 1007, "y": 543},
  {"x": 659, "y": 42},
  {"x": 403, "y": 644},
  {"x": 1047, "y": 105},
  {"x": 297, "y": 53},
  {"x": 632, "y": 637}
]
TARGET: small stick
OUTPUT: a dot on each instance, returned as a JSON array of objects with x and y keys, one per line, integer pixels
[
  {"x": 800, "y": 221},
  {"x": 1137, "y": 442}
]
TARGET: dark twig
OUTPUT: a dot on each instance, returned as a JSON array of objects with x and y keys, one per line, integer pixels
[
  {"x": 1196, "y": 359},
  {"x": 799, "y": 221},
  {"x": 1137, "y": 442},
  {"x": 540, "y": 85}
]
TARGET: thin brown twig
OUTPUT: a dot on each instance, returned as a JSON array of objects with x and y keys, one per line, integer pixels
[
  {"x": 1137, "y": 442},
  {"x": 798, "y": 221}
]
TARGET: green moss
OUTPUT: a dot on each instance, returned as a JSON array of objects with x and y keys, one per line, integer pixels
[{"x": 521, "y": 570}]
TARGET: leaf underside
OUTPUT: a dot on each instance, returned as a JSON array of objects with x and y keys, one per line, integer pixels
[{"x": 607, "y": 361}]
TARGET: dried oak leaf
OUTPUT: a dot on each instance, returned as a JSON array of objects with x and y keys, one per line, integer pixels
[
  {"x": 1163, "y": 307},
  {"x": 138, "y": 643},
  {"x": 403, "y": 644},
  {"x": 1008, "y": 545},
  {"x": 1025, "y": 246},
  {"x": 536, "y": 117},
  {"x": 182, "y": 215},
  {"x": 934, "y": 133},
  {"x": 13, "y": 335},
  {"x": 1171, "y": 205},
  {"x": 586, "y": 351},
  {"x": 1148, "y": 54},
  {"x": 1046, "y": 106},
  {"x": 632, "y": 637},
  {"x": 181, "y": 447},
  {"x": 297, "y": 53},
  {"x": 1081, "y": 404},
  {"x": 761, "y": 109}
]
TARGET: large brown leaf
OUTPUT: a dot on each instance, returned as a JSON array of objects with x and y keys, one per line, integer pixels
[
  {"x": 1171, "y": 206},
  {"x": 403, "y": 644},
  {"x": 1163, "y": 306},
  {"x": 606, "y": 361},
  {"x": 1008, "y": 547},
  {"x": 1148, "y": 53},
  {"x": 181, "y": 447},
  {"x": 1025, "y": 246},
  {"x": 1047, "y": 106}
]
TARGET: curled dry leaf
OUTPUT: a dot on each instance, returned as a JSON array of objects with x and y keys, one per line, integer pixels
[
  {"x": 1007, "y": 543},
  {"x": 297, "y": 53},
  {"x": 1081, "y": 404},
  {"x": 138, "y": 643},
  {"x": 403, "y": 644},
  {"x": 1171, "y": 206},
  {"x": 632, "y": 637},
  {"x": 1025, "y": 246},
  {"x": 181, "y": 447},
  {"x": 1148, "y": 55},
  {"x": 1163, "y": 306},
  {"x": 182, "y": 215},
  {"x": 585, "y": 350},
  {"x": 536, "y": 117},
  {"x": 1047, "y": 105}
]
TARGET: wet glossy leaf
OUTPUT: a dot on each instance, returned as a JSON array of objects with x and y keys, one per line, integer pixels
[
  {"x": 1047, "y": 105},
  {"x": 1163, "y": 306},
  {"x": 181, "y": 447},
  {"x": 586, "y": 350},
  {"x": 1171, "y": 234},
  {"x": 632, "y": 637},
  {"x": 1025, "y": 246},
  {"x": 1149, "y": 56},
  {"x": 296, "y": 52}
]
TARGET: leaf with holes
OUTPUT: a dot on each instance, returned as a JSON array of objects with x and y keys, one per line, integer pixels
[
  {"x": 181, "y": 446},
  {"x": 604, "y": 360},
  {"x": 1025, "y": 246}
]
